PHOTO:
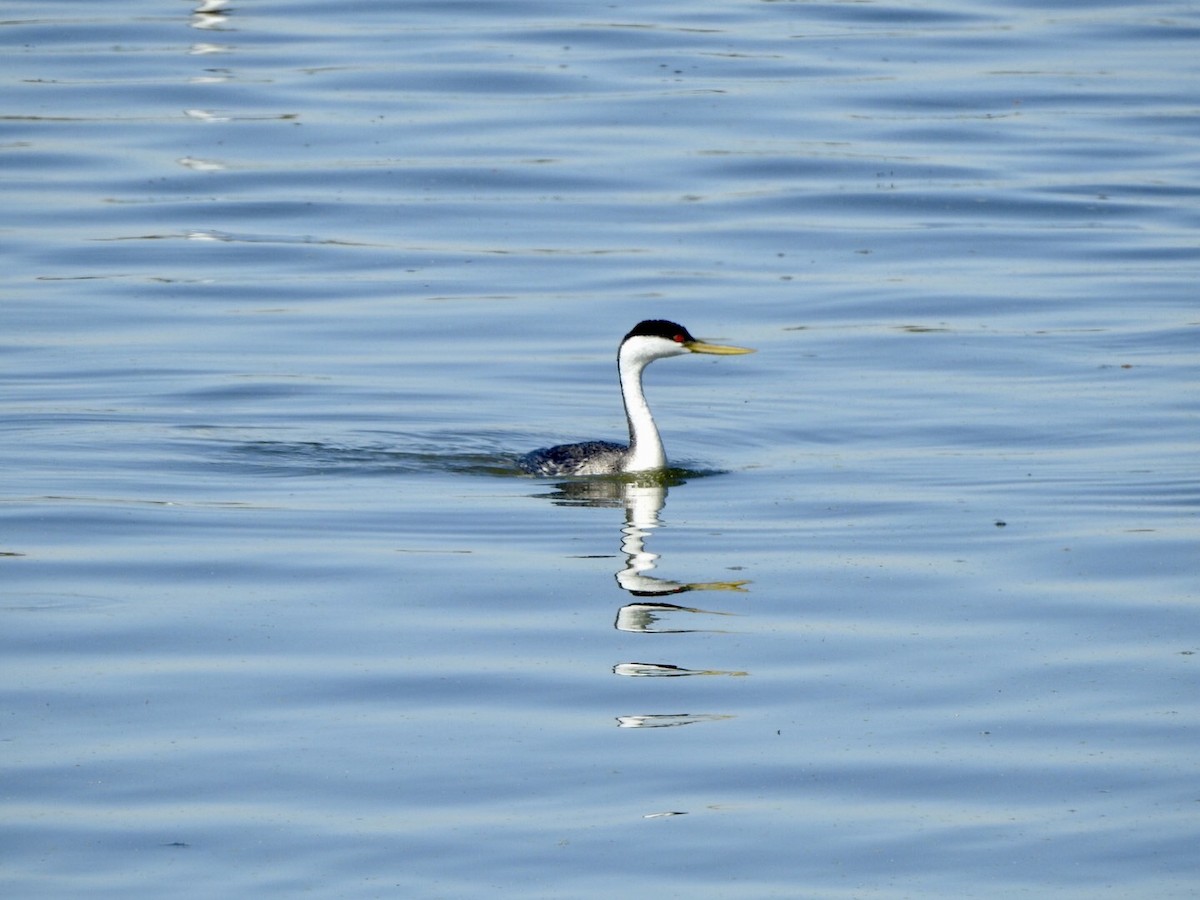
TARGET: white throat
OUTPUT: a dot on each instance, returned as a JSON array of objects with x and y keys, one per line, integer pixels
[{"x": 646, "y": 451}]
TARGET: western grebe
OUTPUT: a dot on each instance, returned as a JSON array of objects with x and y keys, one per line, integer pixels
[{"x": 647, "y": 341}]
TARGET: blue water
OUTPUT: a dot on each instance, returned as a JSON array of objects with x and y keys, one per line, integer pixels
[{"x": 289, "y": 288}]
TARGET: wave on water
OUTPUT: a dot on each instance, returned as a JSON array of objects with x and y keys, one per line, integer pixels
[
  {"x": 285, "y": 458},
  {"x": 463, "y": 455}
]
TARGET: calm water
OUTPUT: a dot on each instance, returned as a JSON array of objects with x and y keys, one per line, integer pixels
[{"x": 287, "y": 288}]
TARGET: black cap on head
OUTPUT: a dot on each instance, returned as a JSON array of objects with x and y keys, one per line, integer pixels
[{"x": 671, "y": 331}]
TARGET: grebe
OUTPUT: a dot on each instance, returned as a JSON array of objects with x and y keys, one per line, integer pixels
[{"x": 647, "y": 341}]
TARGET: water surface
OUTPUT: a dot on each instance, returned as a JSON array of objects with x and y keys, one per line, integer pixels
[{"x": 288, "y": 288}]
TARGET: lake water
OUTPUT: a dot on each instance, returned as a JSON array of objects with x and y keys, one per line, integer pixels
[{"x": 288, "y": 287}]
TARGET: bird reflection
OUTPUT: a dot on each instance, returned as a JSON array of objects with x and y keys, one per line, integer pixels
[
  {"x": 667, "y": 721},
  {"x": 643, "y": 503},
  {"x": 643, "y": 499},
  {"x": 661, "y": 618},
  {"x": 663, "y": 670},
  {"x": 210, "y": 15}
]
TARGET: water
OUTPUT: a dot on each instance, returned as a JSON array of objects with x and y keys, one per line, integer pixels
[{"x": 288, "y": 289}]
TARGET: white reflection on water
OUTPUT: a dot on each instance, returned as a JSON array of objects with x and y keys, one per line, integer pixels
[
  {"x": 667, "y": 720},
  {"x": 643, "y": 500},
  {"x": 643, "y": 505}
]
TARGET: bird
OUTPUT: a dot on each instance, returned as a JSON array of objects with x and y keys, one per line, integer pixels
[{"x": 647, "y": 341}]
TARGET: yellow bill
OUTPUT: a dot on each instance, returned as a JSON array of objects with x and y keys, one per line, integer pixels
[{"x": 718, "y": 349}]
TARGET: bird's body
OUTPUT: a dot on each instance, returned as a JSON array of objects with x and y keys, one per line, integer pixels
[
  {"x": 649, "y": 340},
  {"x": 584, "y": 458}
]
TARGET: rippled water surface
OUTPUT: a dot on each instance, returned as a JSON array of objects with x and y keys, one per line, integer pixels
[{"x": 289, "y": 287}]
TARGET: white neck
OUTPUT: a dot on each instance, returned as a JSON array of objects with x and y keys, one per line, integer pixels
[{"x": 646, "y": 451}]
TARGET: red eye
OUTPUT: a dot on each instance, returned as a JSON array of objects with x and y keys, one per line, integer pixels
[{"x": 678, "y": 339}]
